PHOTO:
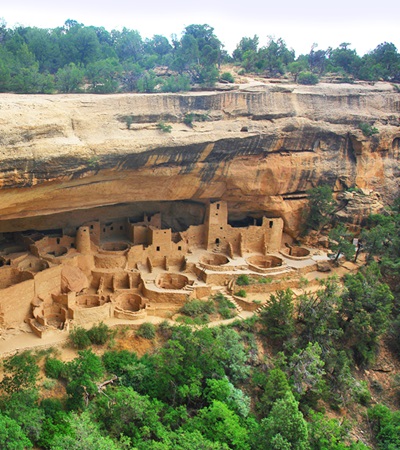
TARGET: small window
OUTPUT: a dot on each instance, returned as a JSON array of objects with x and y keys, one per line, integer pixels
[
  {"x": 217, "y": 241},
  {"x": 72, "y": 245},
  {"x": 111, "y": 228},
  {"x": 158, "y": 249},
  {"x": 179, "y": 248},
  {"x": 91, "y": 227},
  {"x": 271, "y": 223},
  {"x": 58, "y": 240},
  {"x": 104, "y": 230},
  {"x": 220, "y": 228},
  {"x": 218, "y": 205}
]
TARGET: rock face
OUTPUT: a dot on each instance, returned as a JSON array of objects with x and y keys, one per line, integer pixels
[{"x": 65, "y": 159}]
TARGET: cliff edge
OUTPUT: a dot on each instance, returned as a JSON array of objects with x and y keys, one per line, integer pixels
[{"x": 259, "y": 148}]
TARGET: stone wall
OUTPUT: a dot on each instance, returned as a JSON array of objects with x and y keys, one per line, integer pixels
[{"x": 15, "y": 305}]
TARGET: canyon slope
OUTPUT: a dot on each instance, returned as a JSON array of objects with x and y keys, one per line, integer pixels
[{"x": 65, "y": 159}]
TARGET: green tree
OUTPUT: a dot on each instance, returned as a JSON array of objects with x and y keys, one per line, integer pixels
[
  {"x": 341, "y": 242},
  {"x": 321, "y": 205},
  {"x": 306, "y": 370},
  {"x": 79, "y": 45},
  {"x": 28, "y": 80},
  {"x": 344, "y": 59},
  {"x": 365, "y": 311},
  {"x": 297, "y": 67},
  {"x": 224, "y": 391},
  {"x": 198, "y": 53},
  {"x": 147, "y": 82},
  {"x": 182, "y": 440},
  {"x": 329, "y": 434},
  {"x": 382, "y": 62},
  {"x": 276, "y": 387},
  {"x": 5, "y": 75},
  {"x": 81, "y": 374},
  {"x": 246, "y": 44},
  {"x": 11, "y": 435},
  {"x": 386, "y": 425},
  {"x": 277, "y": 318},
  {"x": 70, "y": 78},
  {"x": 219, "y": 424},
  {"x": 103, "y": 75},
  {"x": 124, "y": 411},
  {"x": 284, "y": 428},
  {"x": 23, "y": 407},
  {"x": 128, "y": 45},
  {"x": 317, "y": 59},
  {"x": 318, "y": 318},
  {"x": 275, "y": 57},
  {"x": 85, "y": 435}
]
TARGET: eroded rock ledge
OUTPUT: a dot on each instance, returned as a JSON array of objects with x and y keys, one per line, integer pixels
[{"x": 68, "y": 158}]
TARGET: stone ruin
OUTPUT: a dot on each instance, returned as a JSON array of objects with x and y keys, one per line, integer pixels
[{"x": 129, "y": 270}]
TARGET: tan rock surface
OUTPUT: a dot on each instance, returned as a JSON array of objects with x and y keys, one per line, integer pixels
[
  {"x": 73, "y": 279},
  {"x": 68, "y": 153}
]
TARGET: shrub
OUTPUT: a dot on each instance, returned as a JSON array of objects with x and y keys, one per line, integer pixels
[
  {"x": 367, "y": 129},
  {"x": 361, "y": 393},
  {"x": 385, "y": 425},
  {"x": 146, "y": 330},
  {"x": 53, "y": 368},
  {"x": 79, "y": 338},
  {"x": 193, "y": 117},
  {"x": 100, "y": 334},
  {"x": 179, "y": 83},
  {"x": 162, "y": 126},
  {"x": 48, "y": 384},
  {"x": 265, "y": 280},
  {"x": 199, "y": 320},
  {"x": 226, "y": 313},
  {"x": 241, "y": 293},
  {"x": 188, "y": 119},
  {"x": 242, "y": 280},
  {"x": 227, "y": 76},
  {"x": 195, "y": 308},
  {"x": 307, "y": 78},
  {"x": 20, "y": 372},
  {"x": 128, "y": 121}
]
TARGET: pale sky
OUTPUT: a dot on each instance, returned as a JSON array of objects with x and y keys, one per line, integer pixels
[{"x": 364, "y": 24}]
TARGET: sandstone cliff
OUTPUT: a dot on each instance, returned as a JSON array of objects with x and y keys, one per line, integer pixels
[{"x": 261, "y": 148}]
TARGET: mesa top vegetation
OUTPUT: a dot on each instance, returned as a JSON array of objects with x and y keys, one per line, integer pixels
[{"x": 79, "y": 58}]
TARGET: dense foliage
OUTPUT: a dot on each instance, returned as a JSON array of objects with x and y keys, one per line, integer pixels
[
  {"x": 79, "y": 58},
  {"x": 261, "y": 383},
  {"x": 209, "y": 388}
]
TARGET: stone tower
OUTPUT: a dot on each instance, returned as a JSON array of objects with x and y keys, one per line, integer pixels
[{"x": 83, "y": 244}]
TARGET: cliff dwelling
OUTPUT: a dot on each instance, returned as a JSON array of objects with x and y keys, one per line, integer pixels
[
  {"x": 129, "y": 269},
  {"x": 100, "y": 221}
]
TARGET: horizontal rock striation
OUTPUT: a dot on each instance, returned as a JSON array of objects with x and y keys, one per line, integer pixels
[{"x": 64, "y": 158}]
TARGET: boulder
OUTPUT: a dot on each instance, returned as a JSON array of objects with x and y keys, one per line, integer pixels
[{"x": 73, "y": 279}]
